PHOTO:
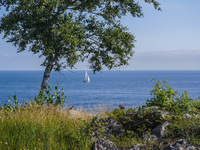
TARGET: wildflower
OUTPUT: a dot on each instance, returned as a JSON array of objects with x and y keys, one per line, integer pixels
[
  {"x": 9, "y": 100},
  {"x": 6, "y": 143},
  {"x": 0, "y": 142}
]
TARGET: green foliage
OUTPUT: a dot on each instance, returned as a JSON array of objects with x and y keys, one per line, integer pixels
[
  {"x": 188, "y": 129},
  {"x": 126, "y": 142},
  {"x": 137, "y": 122},
  {"x": 55, "y": 97},
  {"x": 197, "y": 104},
  {"x": 10, "y": 106},
  {"x": 142, "y": 121},
  {"x": 117, "y": 113},
  {"x": 66, "y": 31},
  {"x": 51, "y": 97},
  {"x": 167, "y": 99}
]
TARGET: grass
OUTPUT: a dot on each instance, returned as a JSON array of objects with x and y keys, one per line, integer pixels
[
  {"x": 44, "y": 128},
  {"x": 50, "y": 127},
  {"x": 185, "y": 128}
]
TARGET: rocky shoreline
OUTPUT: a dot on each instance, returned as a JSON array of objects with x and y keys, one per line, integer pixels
[{"x": 104, "y": 127}]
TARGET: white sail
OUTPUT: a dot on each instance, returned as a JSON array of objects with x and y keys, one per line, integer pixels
[{"x": 87, "y": 78}]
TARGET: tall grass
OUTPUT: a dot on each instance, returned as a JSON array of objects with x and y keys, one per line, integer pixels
[{"x": 44, "y": 128}]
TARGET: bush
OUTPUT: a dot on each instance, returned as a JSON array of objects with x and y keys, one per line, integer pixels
[
  {"x": 171, "y": 100},
  {"x": 142, "y": 121},
  {"x": 51, "y": 97},
  {"x": 11, "y": 106},
  {"x": 55, "y": 97}
]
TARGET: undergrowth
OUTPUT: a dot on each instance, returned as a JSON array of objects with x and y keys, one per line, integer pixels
[
  {"x": 171, "y": 100},
  {"x": 139, "y": 122},
  {"x": 43, "y": 123}
]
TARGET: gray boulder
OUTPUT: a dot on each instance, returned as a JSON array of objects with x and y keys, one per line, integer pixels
[
  {"x": 157, "y": 133},
  {"x": 181, "y": 145},
  {"x": 106, "y": 126},
  {"x": 160, "y": 130},
  {"x": 103, "y": 144},
  {"x": 161, "y": 113},
  {"x": 188, "y": 116},
  {"x": 138, "y": 147},
  {"x": 148, "y": 138}
]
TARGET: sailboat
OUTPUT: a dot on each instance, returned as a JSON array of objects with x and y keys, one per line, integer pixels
[{"x": 87, "y": 78}]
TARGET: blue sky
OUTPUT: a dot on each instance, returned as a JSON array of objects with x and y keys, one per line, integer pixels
[{"x": 166, "y": 40}]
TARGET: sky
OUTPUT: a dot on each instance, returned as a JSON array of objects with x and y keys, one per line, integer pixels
[{"x": 165, "y": 40}]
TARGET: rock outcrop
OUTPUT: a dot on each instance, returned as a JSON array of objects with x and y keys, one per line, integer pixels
[
  {"x": 160, "y": 130},
  {"x": 106, "y": 126},
  {"x": 157, "y": 133},
  {"x": 138, "y": 147},
  {"x": 154, "y": 120},
  {"x": 181, "y": 145},
  {"x": 103, "y": 144}
]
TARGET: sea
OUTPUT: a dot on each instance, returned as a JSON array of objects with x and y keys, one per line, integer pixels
[{"x": 106, "y": 88}]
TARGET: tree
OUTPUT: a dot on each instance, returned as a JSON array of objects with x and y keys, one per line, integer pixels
[{"x": 68, "y": 31}]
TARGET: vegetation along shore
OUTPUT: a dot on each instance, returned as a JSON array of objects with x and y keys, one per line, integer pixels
[{"x": 169, "y": 120}]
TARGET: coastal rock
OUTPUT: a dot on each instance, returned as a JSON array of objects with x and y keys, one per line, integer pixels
[
  {"x": 148, "y": 138},
  {"x": 157, "y": 133},
  {"x": 151, "y": 117},
  {"x": 188, "y": 116},
  {"x": 181, "y": 145},
  {"x": 161, "y": 113},
  {"x": 106, "y": 126},
  {"x": 160, "y": 130},
  {"x": 138, "y": 147},
  {"x": 103, "y": 144}
]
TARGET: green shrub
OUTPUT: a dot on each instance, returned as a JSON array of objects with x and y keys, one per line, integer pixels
[
  {"x": 55, "y": 96},
  {"x": 188, "y": 129},
  {"x": 142, "y": 121},
  {"x": 11, "y": 106},
  {"x": 171, "y": 100},
  {"x": 117, "y": 114},
  {"x": 51, "y": 97}
]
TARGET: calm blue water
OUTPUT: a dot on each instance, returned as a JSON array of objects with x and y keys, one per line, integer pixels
[{"x": 130, "y": 88}]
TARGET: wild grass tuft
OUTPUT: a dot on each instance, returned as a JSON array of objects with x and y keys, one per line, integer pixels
[{"x": 45, "y": 127}]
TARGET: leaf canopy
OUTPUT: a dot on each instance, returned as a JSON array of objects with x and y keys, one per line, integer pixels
[{"x": 69, "y": 31}]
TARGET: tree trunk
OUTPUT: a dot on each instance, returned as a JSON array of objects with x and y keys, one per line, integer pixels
[{"x": 46, "y": 76}]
